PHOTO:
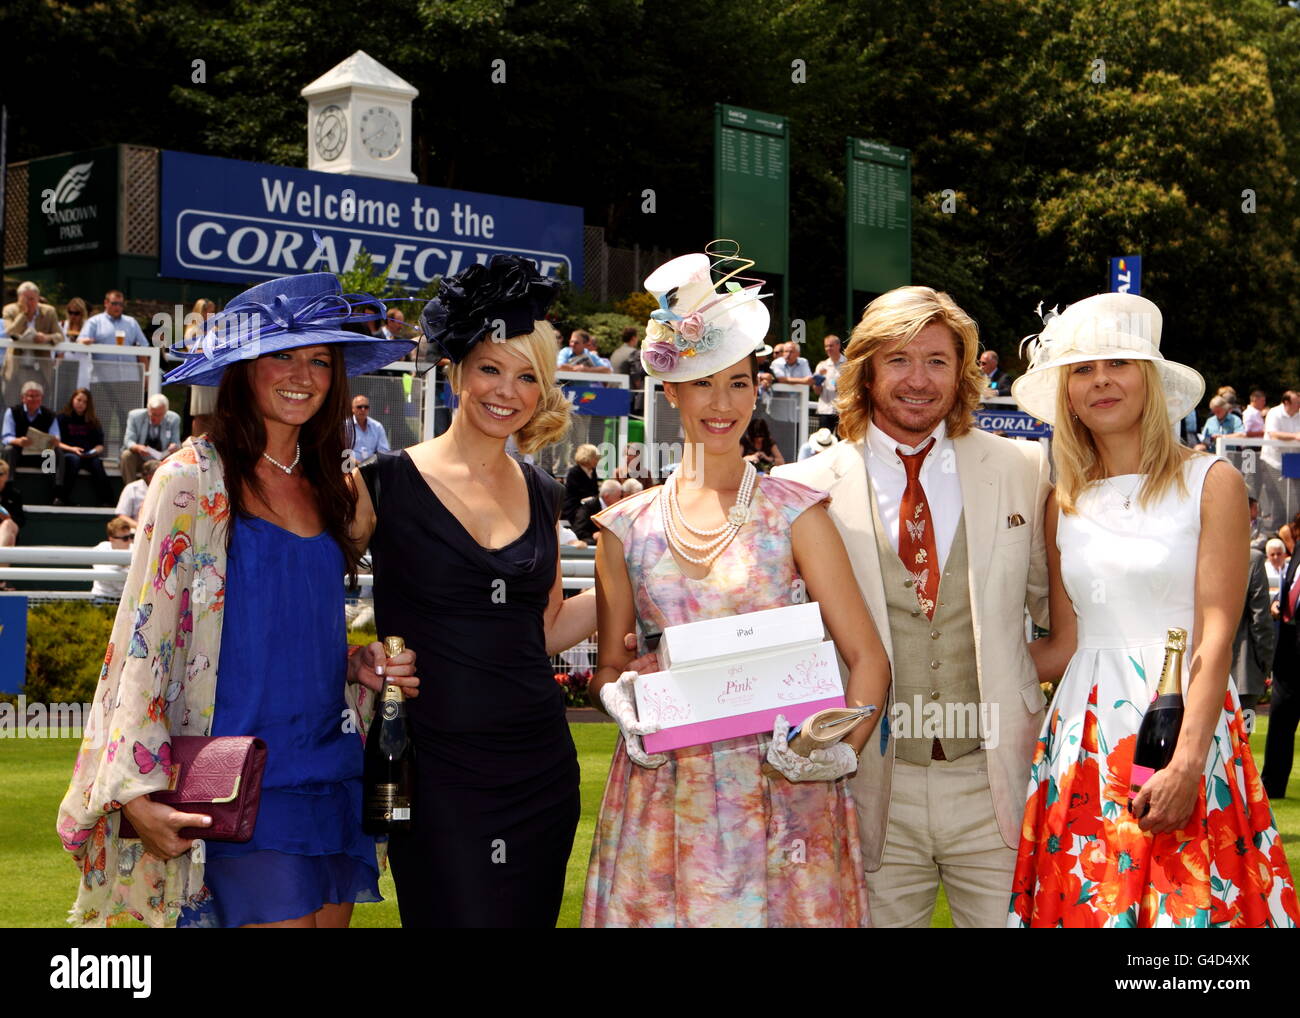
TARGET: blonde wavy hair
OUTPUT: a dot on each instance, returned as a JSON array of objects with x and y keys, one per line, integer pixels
[
  {"x": 1078, "y": 464},
  {"x": 898, "y": 316},
  {"x": 552, "y": 418}
]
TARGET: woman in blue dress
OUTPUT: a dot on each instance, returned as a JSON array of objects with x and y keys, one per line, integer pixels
[{"x": 282, "y": 664}]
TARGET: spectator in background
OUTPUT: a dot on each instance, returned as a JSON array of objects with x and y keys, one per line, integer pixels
[
  {"x": 31, "y": 320},
  {"x": 1222, "y": 421},
  {"x": 12, "y": 516},
  {"x": 818, "y": 441},
  {"x": 763, "y": 359},
  {"x": 110, "y": 579},
  {"x": 28, "y": 412},
  {"x": 581, "y": 355},
  {"x": 581, "y": 481},
  {"x": 829, "y": 369},
  {"x": 611, "y": 491},
  {"x": 1275, "y": 563},
  {"x": 152, "y": 432},
  {"x": 1230, "y": 395},
  {"x": 1284, "y": 704},
  {"x": 996, "y": 379},
  {"x": 756, "y": 445},
  {"x": 631, "y": 486},
  {"x": 115, "y": 328},
  {"x": 791, "y": 369},
  {"x": 1282, "y": 423},
  {"x": 1288, "y": 532},
  {"x": 203, "y": 398},
  {"x": 629, "y": 344},
  {"x": 78, "y": 314},
  {"x": 568, "y": 539},
  {"x": 1252, "y": 417},
  {"x": 1257, "y": 537},
  {"x": 365, "y": 437},
  {"x": 81, "y": 444},
  {"x": 395, "y": 325},
  {"x": 132, "y": 497},
  {"x": 1256, "y": 639}
]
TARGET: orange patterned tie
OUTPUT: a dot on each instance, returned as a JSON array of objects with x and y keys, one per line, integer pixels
[{"x": 916, "y": 545}]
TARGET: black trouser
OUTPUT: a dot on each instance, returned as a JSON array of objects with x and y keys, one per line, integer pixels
[
  {"x": 69, "y": 466},
  {"x": 1283, "y": 714}
]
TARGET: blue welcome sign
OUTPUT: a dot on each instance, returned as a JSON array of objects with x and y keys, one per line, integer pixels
[
  {"x": 13, "y": 643},
  {"x": 1015, "y": 423},
  {"x": 231, "y": 221}
]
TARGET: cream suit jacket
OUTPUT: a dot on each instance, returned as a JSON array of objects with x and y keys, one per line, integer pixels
[{"x": 1000, "y": 479}]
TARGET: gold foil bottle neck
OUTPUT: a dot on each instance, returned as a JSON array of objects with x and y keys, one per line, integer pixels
[{"x": 1176, "y": 639}]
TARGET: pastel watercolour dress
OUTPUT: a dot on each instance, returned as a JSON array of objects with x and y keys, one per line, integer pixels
[
  {"x": 706, "y": 839},
  {"x": 1083, "y": 860}
]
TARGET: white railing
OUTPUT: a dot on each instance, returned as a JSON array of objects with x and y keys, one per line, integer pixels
[
  {"x": 152, "y": 374},
  {"x": 52, "y": 564}
]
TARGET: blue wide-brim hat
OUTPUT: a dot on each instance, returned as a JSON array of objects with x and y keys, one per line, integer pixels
[{"x": 284, "y": 314}]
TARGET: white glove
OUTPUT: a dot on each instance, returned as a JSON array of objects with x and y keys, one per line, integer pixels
[
  {"x": 820, "y": 765},
  {"x": 619, "y": 704}
]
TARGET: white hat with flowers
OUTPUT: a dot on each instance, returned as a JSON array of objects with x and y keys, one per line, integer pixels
[
  {"x": 702, "y": 326},
  {"x": 1103, "y": 327}
]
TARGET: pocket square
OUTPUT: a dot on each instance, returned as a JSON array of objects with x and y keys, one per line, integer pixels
[{"x": 1015, "y": 520}]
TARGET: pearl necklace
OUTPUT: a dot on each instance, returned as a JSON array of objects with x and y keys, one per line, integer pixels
[
  {"x": 718, "y": 537},
  {"x": 297, "y": 451}
]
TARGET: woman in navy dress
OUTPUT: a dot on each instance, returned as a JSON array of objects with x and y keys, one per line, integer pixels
[
  {"x": 277, "y": 439},
  {"x": 81, "y": 444},
  {"x": 466, "y": 568}
]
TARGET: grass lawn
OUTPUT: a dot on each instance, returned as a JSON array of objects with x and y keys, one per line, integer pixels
[{"x": 38, "y": 881}]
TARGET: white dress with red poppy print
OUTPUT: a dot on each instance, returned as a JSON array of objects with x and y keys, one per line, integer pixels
[{"x": 1083, "y": 860}]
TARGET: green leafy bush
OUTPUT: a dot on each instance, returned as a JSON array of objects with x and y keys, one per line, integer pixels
[
  {"x": 606, "y": 327},
  {"x": 66, "y": 641}
]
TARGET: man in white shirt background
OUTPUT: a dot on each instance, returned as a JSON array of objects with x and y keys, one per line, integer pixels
[
  {"x": 1252, "y": 418},
  {"x": 829, "y": 369},
  {"x": 113, "y": 327},
  {"x": 365, "y": 437},
  {"x": 790, "y": 368},
  {"x": 132, "y": 497},
  {"x": 1282, "y": 423},
  {"x": 111, "y": 579}
]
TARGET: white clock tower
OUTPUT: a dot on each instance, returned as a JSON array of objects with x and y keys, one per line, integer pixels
[{"x": 359, "y": 120}]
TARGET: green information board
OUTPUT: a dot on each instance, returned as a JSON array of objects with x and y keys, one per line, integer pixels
[
  {"x": 878, "y": 219},
  {"x": 72, "y": 207},
  {"x": 751, "y": 188}
]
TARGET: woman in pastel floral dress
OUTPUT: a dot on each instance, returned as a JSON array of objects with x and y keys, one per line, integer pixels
[
  {"x": 1142, "y": 536},
  {"x": 699, "y": 836}
]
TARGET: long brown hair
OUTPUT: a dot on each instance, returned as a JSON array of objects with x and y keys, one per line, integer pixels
[
  {"x": 240, "y": 437},
  {"x": 90, "y": 417}
]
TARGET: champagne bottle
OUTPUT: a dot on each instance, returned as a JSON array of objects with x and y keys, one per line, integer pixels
[
  {"x": 389, "y": 775},
  {"x": 1158, "y": 734}
]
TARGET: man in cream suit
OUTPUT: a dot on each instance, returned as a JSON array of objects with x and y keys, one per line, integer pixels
[{"x": 941, "y": 793}]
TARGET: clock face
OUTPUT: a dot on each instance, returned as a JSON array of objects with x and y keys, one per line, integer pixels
[
  {"x": 331, "y": 132},
  {"x": 381, "y": 132}
]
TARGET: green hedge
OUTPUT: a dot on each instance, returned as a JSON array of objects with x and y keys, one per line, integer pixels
[{"x": 66, "y": 641}]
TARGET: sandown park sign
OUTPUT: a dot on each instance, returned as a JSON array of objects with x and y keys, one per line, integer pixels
[{"x": 232, "y": 221}]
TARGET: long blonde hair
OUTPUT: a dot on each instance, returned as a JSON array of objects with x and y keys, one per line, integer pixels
[
  {"x": 898, "y": 316},
  {"x": 551, "y": 420},
  {"x": 1078, "y": 464}
]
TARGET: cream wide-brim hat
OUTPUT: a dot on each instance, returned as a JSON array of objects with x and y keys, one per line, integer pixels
[{"x": 1105, "y": 326}]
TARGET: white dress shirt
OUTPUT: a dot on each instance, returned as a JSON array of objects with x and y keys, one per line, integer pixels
[
  {"x": 938, "y": 478},
  {"x": 1277, "y": 419}
]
